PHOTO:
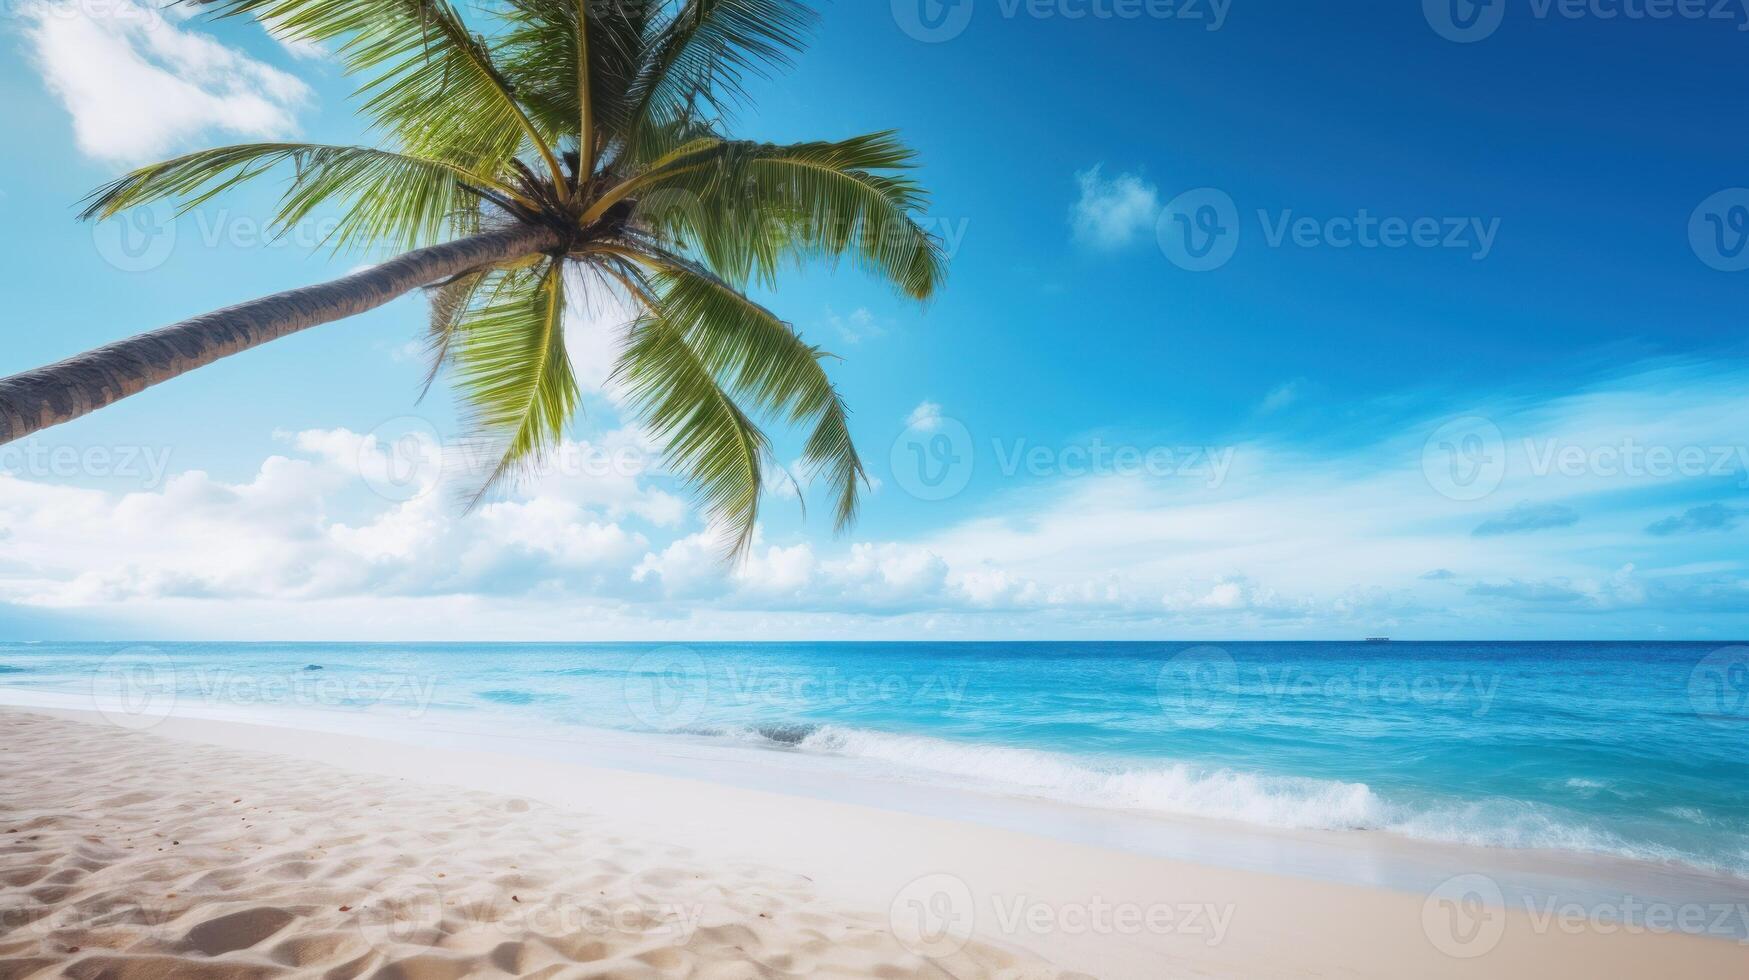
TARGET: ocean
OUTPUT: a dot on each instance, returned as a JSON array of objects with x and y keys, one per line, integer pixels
[{"x": 1636, "y": 751}]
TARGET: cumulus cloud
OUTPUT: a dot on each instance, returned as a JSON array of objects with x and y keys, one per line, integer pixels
[
  {"x": 1279, "y": 547},
  {"x": 1112, "y": 211},
  {"x": 1282, "y": 539},
  {"x": 926, "y": 416},
  {"x": 688, "y": 568},
  {"x": 1527, "y": 517},
  {"x": 308, "y": 527},
  {"x": 139, "y": 86},
  {"x": 595, "y": 329},
  {"x": 868, "y": 577}
]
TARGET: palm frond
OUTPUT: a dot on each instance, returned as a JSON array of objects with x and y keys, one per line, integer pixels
[
  {"x": 705, "y": 435},
  {"x": 450, "y": 301},
  {"x": 752, "y": 207},
  {"x": 602, "y": 121},
  {"x": 391, "y": 198},
  {"x": 767, "y": 364},
  {"x": 512, "y": 370},
  {"x": 540, "y": 52},
  {"x": 430, "y": 80},
  {"x": 703, "y": 51}
]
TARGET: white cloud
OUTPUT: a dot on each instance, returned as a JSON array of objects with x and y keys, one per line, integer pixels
[
  {"x": 612, "y": 474},
  {"x": 868, "y": 577},
  {"x": 1110, "y": 213},
  {"x": 859, "y": 325},
  {"x": 408, "y": 352},
  {"x": 889, "y": 576},
  {"x": 1281, "y": 397},
  {"x": 308, "y": 529},
  {"x": 138, "y": 86},
  {"x": 778, "y": 571},
  {"x": 1297, "y": 541},
  {"x": 296, "y": 47},
  {"x": 1328, "y": 538},
  {"x": 926, "y": 416},
  {"x": 689, "y": 567},
  {"x": 598, "y": 314}
]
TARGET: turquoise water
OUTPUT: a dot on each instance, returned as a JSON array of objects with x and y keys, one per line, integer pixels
[{"x": 1638, "y": 750}]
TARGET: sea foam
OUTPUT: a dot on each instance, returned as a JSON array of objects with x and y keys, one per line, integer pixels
[{"x": 1182, "y": 789}]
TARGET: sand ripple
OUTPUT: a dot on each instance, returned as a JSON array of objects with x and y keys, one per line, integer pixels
[{"x": 130, "y": 856}]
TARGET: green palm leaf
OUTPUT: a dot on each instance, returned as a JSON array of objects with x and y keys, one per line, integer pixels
[
  {"x": 432, "y": 82},
  {"x": 541, "y": 52},
  {"x": 591, "y": 131},
  {"x": 766, "y": 363},
  {"x": 702, "y": 52},
  {"x": 450, "y": 302},
  {"x": 511, "y": 365},
  {"x": 705, "y": 435},
  {"x": 750, "y": 208},
  {"x": 388, "y": 198}
]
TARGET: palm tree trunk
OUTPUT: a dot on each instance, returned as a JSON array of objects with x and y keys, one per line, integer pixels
[{"x": 86, "y": 382}]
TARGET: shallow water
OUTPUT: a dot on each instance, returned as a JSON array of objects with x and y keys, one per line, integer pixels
[{"x": 1633, "y": 750}]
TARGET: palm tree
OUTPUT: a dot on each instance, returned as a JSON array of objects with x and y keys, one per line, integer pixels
[{"x": 578, "y": 147}]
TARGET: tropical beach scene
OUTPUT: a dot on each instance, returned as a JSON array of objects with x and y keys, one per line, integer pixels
[{"x": 742, "y": 489}]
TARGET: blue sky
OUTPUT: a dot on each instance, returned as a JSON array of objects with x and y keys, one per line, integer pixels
[{"x": 1522, "y": 411}]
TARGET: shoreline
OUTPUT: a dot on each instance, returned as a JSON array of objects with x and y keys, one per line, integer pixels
[
  {"x": 1532, "y": 877},
  {"x": 1059, "y": 899}
]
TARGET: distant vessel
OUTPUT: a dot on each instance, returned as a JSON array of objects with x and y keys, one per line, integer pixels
[{"x": 1378, "y": 639}]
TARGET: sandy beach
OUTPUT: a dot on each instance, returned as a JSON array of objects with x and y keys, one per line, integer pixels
[
  {"x": 879, "y": 489},
  {"x": 216, "y": 849},
  {"x": 130, "y": 855}
]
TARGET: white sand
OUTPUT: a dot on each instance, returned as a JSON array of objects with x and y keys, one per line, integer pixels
[{"x": 298, "y": 853}]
